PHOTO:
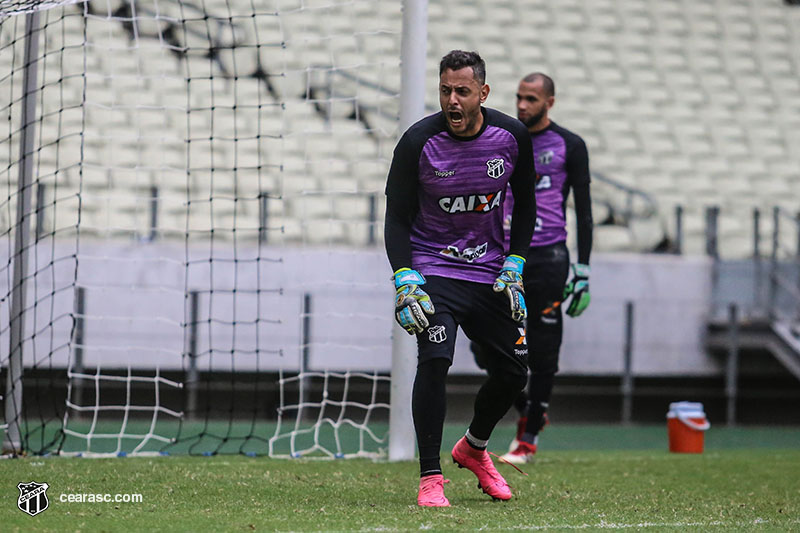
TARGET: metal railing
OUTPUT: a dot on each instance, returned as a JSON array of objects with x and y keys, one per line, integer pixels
[
  {"x": 637, "y": 204},
  {"x": 780, "y": 306},
  {"x": 767, "y": 284},
  {"x": 784, "y": 267},
  {"x": 628, "y": 206}
]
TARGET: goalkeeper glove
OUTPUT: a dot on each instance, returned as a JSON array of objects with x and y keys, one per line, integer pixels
[
  {"x": 578, "y": 288},
  {"x": 510, "y": 282},
  {"x": 411, "y": 303}
]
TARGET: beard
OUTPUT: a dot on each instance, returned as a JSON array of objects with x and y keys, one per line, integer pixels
[{"x": 534, "y": 119}]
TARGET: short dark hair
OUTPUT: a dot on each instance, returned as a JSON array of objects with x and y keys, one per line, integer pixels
[
  {"x": 547, "y": 82},
  {"x": 458, "y": 59}
]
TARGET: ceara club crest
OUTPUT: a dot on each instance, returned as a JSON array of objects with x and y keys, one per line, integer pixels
[
  {"x": 437, "y": 334},
  {"x": 495, "y": 167},
  {"x": 32, "y": 497}
]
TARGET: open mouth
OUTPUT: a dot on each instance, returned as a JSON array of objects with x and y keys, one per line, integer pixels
[{"x": 456, "y": 117}]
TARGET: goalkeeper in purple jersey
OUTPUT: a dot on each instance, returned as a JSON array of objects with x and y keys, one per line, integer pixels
[
  {"x": 447, "y": 246},
  {"x": 562, "y": 163}
]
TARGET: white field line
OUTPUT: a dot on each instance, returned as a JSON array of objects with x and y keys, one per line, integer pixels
[{"x": 607, "y": 525}]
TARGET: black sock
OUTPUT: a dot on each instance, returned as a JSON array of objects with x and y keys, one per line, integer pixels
[
  {"x": 493, "y": 401},
  {"x": 429, "y": 405},
  {"x": 540, "y": 387}
]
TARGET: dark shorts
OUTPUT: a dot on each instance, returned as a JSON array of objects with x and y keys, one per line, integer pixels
[
  {"x": 485, "y": 317},
  {"x": 544, "y": 276}
]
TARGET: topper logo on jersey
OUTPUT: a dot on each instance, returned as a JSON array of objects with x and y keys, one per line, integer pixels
[
  {"x": 443, "y": 173},
  {"x": 495, "y": 167},
  {"x": 468, "y": 254},
  {"x": 478, "y": 203},
  {"x": 545, "y": 157}
]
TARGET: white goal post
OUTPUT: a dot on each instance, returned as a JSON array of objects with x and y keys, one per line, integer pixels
[
  {"x": 191, "y": 199},
  {"x": 412, "y": 108}
]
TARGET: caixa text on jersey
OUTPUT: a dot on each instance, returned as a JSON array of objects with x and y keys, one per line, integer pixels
[{"x": 478, "y": 203}]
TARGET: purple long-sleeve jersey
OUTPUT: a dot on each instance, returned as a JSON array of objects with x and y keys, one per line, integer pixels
[
  {"x": 562, "y": 162},
  {"x": 447, "y": 192}
]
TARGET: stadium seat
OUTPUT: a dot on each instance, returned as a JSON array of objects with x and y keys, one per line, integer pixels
[
  {"x": 613, "y": 238},
  {"x": 690, "y": 102}
]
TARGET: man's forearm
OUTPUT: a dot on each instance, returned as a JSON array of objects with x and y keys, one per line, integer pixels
[
  {"x": 584, "y": 224},
  {"x": 397, "y": 239},
  {"x": 523, "y": 220}
]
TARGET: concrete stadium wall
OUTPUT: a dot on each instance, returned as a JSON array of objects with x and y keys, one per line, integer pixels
[{"x": 135, "y": 310}]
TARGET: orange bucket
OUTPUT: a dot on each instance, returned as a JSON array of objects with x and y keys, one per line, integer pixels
[{"x": 686, "y": 427}]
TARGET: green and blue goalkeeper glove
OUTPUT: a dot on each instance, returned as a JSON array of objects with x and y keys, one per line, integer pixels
[
  {"x": 578, "y": 288},
  {"x": 510, "y": 282},
  {"x": 411, "y": 303}
]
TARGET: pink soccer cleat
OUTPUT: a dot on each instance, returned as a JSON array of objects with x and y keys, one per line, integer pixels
[
  {"x": 480, "y": 464},
  {"x": 431, "y": 492},
  {"x": 523, "y": 453}
]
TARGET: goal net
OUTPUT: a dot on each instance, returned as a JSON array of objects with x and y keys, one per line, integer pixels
[{"x": 190, "y": 225}]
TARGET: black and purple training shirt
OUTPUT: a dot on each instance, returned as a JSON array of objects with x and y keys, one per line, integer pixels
[
  {"x": 445, "y": 195},
  {"x": 562, "y": 163}
]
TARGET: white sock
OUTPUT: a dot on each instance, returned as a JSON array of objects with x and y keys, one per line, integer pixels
[{"x": 476, "y": 442}]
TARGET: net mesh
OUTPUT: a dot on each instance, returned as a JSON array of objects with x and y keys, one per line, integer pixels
[{"x": 205, "y": 189}]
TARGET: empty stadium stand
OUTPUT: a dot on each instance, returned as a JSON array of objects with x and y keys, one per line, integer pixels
[{"x": 289, "y": 133}]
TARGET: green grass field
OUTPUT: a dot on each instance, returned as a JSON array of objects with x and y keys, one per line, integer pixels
[{"x": 586, "y": 477}]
